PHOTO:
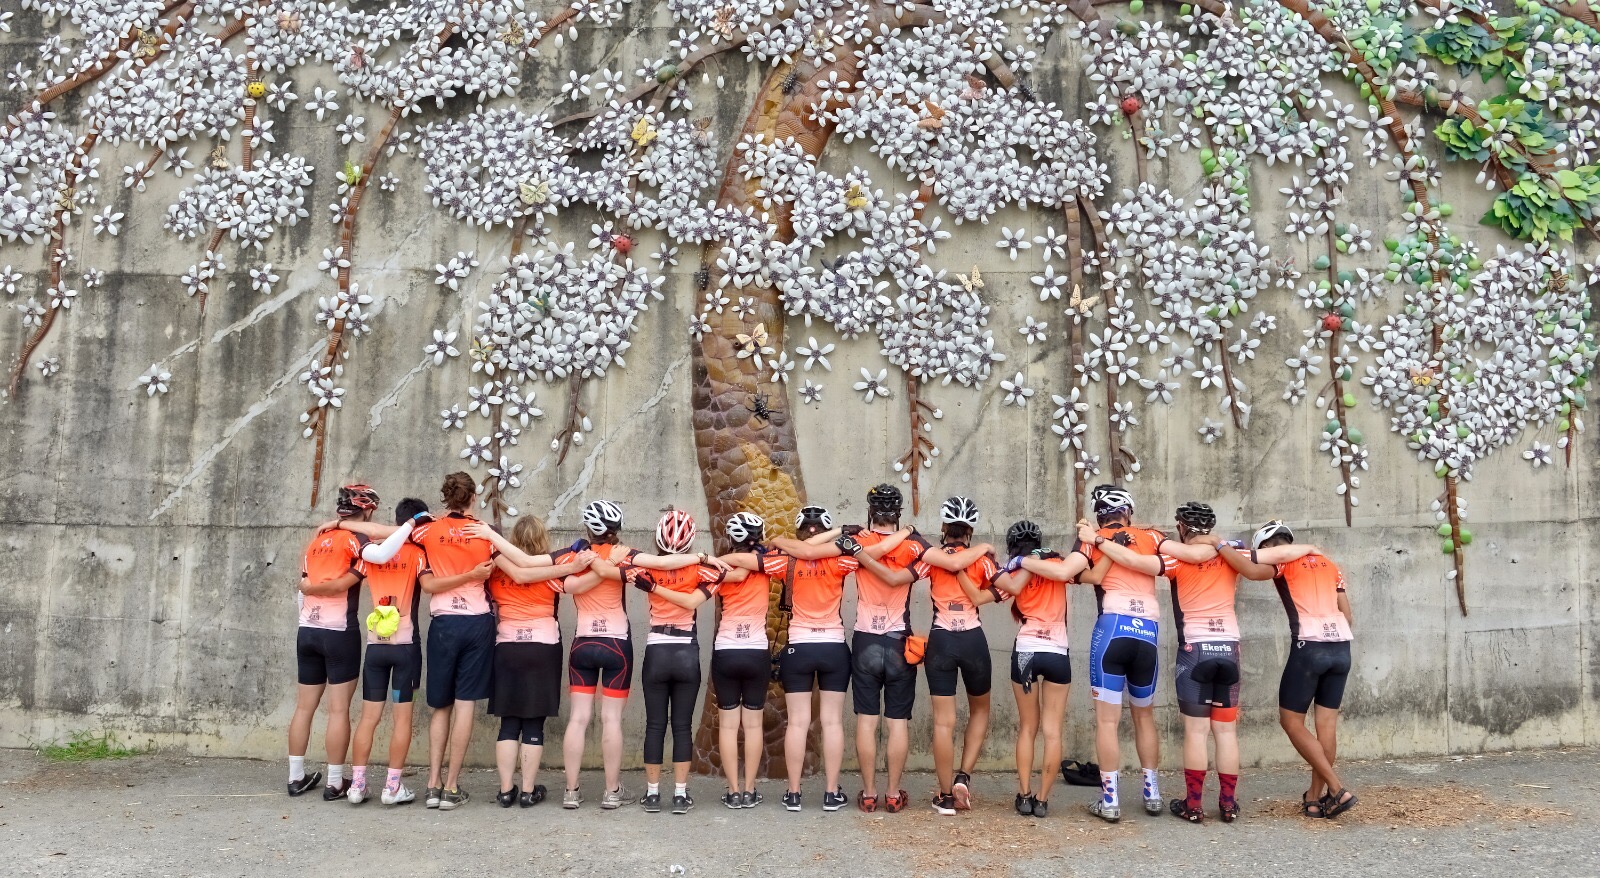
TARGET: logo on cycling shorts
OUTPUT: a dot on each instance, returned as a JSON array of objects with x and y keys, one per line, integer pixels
[{"x": 1215, "y": 647}]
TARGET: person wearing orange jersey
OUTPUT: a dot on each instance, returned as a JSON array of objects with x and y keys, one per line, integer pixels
[
  {"x": 460, "y": 636},
  {"x": 601, "y": 658},
  {"x": 527, "y": 654},
  {"x": 878, "y": 665},
  {"x": 741, "y": 663},
  {"x": 393, "y": 666},
  {"x": 670, "y": 675},
  {"x": 328, "y": 644},
  {"x": 957, "y": 650},
  {"x": 1320, "y": 630},
  {"x": 1040, "y": 656},
  {"x": 1208, "y": 661},
  {"x": 815, "y": 656},
  {"x": 1122, "y": 648}
]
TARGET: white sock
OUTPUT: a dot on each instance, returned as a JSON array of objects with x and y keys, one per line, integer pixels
[
  {"x": 1108, "y": 788},
  {"x": 335, "y": 775},
  {"x": 1152, "y": 784},
  {"x": 681, "y": 789},
  {"x": 652, "y": 789},
  {"x": 297, "y": 769}
]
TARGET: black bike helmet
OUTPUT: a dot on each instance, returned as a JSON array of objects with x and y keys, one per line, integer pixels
[
  {"x": 1023, "y": 537},
  {"x": 884, "y": 501},
  {"x": 1197, "y": 517}
]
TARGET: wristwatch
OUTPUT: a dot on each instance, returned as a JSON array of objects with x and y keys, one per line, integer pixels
[{"x": 1098, "y": 539}]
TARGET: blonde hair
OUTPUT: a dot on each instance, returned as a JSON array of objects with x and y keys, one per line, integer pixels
[{"x": 530, "y": 535}]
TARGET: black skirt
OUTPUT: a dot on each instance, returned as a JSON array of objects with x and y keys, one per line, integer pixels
[{"x": 527, "y": 680}]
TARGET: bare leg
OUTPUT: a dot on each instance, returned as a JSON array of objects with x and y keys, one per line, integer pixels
[
  {"x": 977, "y": 730},
  {"x": 337, "y": 738},
  {"x": 832, "y": 715},
  {"x": 794, "y": 736},
  {"x": 577, "y": 730},
  {"x": 461, "y": 716},
  {"x": 1146, "y": 739},
  {"x": 1310, "y": 749},
  {"x": 611, "y": 739},
  {"x": 680, "y": 772},
  {"x": 754, "y": 741},
  {"x": 531, "y": 755},
  {"x": 1052, "y": 716},
  {"x": 1327, "y": 722},
  {"x": 944, "y": 740},
  {"x": 438, "y": 735},
  {"x": 867, "y": 753},
  {"x": 306, "y": 699},
  {"x": 1027, "y": 734},
  {"x": 899, "y": 750},
  {"x": 1227, "y": 737},
  {"x": 505, "y": 762},
  {"x": 400, "y": 735},
  {"x": 366, "y": 730},
  {"x": 1107, "y": 749},
  {"x": 728, "y": 743},
  {"x": 1195, "y": 730}
]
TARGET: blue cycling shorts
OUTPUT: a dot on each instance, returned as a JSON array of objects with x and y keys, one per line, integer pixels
[{"x": 1122, "y": 655}]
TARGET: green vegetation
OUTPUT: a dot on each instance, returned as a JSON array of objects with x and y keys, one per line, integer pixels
[{"x": 86, "y": 746}]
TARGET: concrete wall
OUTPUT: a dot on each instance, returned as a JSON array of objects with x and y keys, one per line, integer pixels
[{"x": 149, "y": 548}]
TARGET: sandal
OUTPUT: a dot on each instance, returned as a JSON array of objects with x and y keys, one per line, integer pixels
[
  {"x": 1306, "y": 805},
  {"x": 866, "y": 803},
  {"x": 1337, "y": 803}
]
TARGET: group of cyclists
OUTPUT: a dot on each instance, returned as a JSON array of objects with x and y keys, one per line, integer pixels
[{"x": 494, "y": 635}]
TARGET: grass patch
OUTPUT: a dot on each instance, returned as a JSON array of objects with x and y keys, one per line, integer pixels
[{"x": 86, "y": 746}]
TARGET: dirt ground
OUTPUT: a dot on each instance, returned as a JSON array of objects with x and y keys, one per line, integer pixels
[{"x": 1523, "y": 814}]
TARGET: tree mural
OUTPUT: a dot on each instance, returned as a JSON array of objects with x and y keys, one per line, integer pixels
[{"x": 878, "y": 131}]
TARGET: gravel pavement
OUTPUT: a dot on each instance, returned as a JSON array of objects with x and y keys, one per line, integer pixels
[{"x": 1516, "y": 814}]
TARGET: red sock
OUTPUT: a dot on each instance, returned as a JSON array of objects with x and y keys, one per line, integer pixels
[
  {"x": 1194, "y": 780},
  {"x": 1230, "y": 787}
]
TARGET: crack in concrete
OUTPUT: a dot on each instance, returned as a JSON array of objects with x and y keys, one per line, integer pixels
[
  {"x": 256, "y": 409},
  {"x": 586, "y": 474}
]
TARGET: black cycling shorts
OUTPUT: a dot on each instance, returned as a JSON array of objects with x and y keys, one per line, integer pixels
[
  {"x": 604, "y": 663},
  {"x": 827, "y": 665},
  {"x": 327, "y": 657},
  {"x": 460, "y": 659},
  {"x": 1029, "y": 667},
  {"x": 393, "y": 671},
  {"x": 1208, "y": 677},
  {"x": 958, "y": 653},
  {"x": 740, "y": 677},
  {"x": 1316, "y": 671},
  {"x": 878, "y": 664}
]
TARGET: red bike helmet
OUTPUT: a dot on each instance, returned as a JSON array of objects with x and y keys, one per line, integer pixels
[{"x": 675, "y": 531}]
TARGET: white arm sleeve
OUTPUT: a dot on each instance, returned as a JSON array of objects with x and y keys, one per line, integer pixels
[{"x": 381, "y": 553}]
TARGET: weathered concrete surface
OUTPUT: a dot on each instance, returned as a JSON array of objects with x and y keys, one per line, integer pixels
[
  {"x": 150, "y": 546},
  {"x": 1516, "y": 814}
]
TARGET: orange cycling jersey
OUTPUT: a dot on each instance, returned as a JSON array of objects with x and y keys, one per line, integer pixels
[
  {"x": 816, "y": 590},
  {"x": 1042, "y": 606},
  {"x": 742, "y": 622},
  {"x": 526, "y": 611},
  {"x": 1128, "y": 592},
  {"x": 602, "y": 612},
  {"x": 331, "y": 554},
  {"x": 882, "y": 608},
  {"x": 451, "y": 553},
  {"x": 670, "y": 623},
  {"x": 951, "y": 609},
  {"x": 1202, "y": 599},
  {"x": 395, "y": 582},
  {"x": 1310, "y": 589}
]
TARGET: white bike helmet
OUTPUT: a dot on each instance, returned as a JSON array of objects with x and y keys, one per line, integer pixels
[
  {"x": 602, "y": 517},
  {"x": 1268, "y": 531},
  {"x": 959, "y": 510},
  {"x": 745, "y": 527},
  {"x": 813, "y": 514},
  {"x": 1111, "y": 501}
]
